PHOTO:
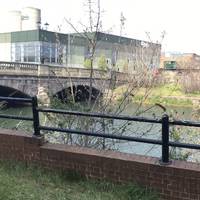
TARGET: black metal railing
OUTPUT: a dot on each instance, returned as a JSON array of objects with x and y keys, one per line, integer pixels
[{"x": 164, "y": 121}]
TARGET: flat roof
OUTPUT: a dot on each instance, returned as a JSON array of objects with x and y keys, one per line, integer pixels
[{"x": 49, "y": 36}]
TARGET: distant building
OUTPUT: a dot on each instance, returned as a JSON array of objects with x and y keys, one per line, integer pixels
[
  {"x": 27, "y": 42},
  {"x": 180, "y": 61}
]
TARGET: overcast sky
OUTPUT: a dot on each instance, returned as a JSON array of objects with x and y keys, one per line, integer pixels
[{"x": 178, "y": 18}]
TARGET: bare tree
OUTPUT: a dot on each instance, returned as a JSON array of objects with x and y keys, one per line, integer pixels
[
  {"x": 90, "y": 33},
  {"x": 115, "y": 100}
]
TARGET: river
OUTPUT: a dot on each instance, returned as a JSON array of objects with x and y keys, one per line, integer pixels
[
  {"x": 153, "y": 131},
  {"x": 136, "y": 128}
]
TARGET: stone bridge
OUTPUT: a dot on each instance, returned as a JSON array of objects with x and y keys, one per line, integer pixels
[{"x": 25, "y": 80}]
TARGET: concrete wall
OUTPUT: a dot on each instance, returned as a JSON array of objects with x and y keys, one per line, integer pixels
[{"x": 178, "y": 181}]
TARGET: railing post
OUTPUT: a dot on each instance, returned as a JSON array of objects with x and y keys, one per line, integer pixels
[
  {"x": 36, "y": 121},
  {"x": 165, "y": 140}
]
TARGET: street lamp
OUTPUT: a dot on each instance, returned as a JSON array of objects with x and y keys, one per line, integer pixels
[{"x": 46, "y": 25}]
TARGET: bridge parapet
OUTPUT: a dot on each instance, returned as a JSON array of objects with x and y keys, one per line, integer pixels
[
  {"x": 77, "y": 72},
  {"x": 44, "y": 70},
  {"x": 10, "y": 68},
  {"x": 13, "y": 68}
]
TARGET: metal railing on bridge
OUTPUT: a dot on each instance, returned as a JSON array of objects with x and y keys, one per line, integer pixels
[{"x": 164, "y": 121}]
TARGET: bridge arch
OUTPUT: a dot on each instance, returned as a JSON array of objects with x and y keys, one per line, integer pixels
[
  {"x": 79, "y": 92},
  {"x": 24, "y": 86},
  {"x": 13, "y": 92}
]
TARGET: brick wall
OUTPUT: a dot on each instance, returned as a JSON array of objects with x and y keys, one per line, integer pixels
[
  {"x": 178, "y": 181},
  {"x": 19, "y": 146}
]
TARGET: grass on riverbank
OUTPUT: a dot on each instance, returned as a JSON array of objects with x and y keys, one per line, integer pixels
[
  {"x": 168, "y": 95},
  {"x": 171, "y": 89},
  {"x": 18, "y": 182},
  {"x": 167, "y": 101}
]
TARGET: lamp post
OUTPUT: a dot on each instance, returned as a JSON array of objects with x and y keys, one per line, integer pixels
[{"x": 46, "y": 25}]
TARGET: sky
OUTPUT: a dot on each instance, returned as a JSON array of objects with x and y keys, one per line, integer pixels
[{"x": 145, "y": 19}]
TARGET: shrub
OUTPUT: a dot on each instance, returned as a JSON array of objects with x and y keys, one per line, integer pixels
[
  {"x": 102, "y": 63},
  {"x": 87, "y": 63}
]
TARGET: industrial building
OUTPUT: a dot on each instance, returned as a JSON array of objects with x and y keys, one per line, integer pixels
[
  {"x": 23, "y": 40},
  {"x": 180, "y": 61}
]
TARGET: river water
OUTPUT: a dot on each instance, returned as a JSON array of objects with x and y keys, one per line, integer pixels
[
  {"x": 153, "y": 131},
  {"x": 139, "y": 129}
]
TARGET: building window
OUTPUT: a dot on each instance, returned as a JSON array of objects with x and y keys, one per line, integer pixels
[
  {"x": 18, "y": 53},
  {"x": 31, "y": 53},
  {"x": 26, "y": 52},
  {"x": 45, "y": 52},
  {"x": 53, "y": 53},
  {"x": 36, "y": 52}
]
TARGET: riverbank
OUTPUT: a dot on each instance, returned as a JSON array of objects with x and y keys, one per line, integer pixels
[
  {"x": 166, "y": 95},
  {"x": 20, "y": 182}
]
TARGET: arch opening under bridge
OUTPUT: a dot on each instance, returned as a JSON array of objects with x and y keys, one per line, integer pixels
[
  {"x": 11, "y": 92},
  {"x": 80, "y": 93}
]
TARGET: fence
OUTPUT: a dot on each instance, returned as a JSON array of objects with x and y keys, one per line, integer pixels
[{"x": 164, "y": 121}]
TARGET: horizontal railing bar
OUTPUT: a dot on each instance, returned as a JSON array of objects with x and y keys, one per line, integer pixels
[
  {"x": 108, "y": 116},
  {"x": 27, "y": 100},
  {"x": 120, "y": 117},
  {"x": 127, "y": 138},
  {"x": 16, "y": 117},
  {"x": 184, "y": 145},
  {"x": 185, "y": 123}
]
